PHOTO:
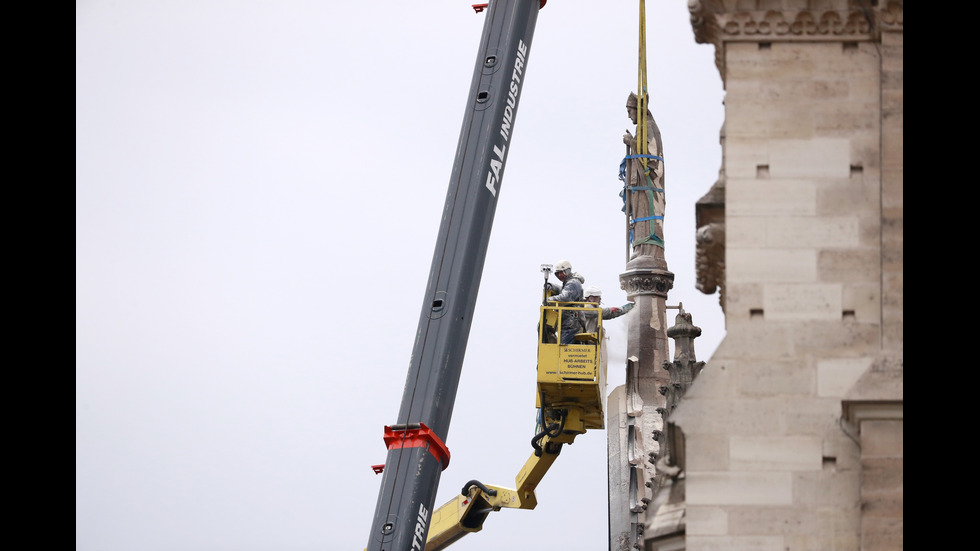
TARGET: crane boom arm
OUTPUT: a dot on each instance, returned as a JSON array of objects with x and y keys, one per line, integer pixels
[{"x": 417, "y": 453}]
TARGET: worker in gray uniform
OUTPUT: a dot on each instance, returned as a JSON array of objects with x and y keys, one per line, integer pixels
[
  {"x": 570, "y": 291},
  {"x": 590, "y": 320}
]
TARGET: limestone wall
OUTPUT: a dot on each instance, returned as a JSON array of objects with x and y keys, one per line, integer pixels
[{"x": 793, "y": 430}]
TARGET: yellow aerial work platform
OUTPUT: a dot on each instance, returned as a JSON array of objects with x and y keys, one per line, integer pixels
[
  {"x": 572, "y": 375},
  {"x": 571, "y": 399}
]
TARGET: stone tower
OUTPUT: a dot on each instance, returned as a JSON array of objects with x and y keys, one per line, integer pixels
[{"x": 791, "y": 438}]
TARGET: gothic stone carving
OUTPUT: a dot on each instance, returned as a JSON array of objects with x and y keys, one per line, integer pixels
[
  {"x": 716, "y": 22},
  {"x": 650, "y": 283}
]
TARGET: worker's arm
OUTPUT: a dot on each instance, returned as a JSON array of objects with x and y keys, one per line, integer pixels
[
  {"x": 571, "y": 288},
  {"x": 615, "y": 312}
]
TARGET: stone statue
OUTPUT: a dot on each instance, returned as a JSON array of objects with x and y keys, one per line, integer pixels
[{"x": 644, "y": 180}]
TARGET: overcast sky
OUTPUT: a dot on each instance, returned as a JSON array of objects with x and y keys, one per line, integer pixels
[{"x": 258, "y": 188}]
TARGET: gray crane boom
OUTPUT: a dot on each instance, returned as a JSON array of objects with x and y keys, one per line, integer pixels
[{"x": 417, "y": 453}]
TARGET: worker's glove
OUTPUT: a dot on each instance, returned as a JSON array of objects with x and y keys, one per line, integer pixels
[
  {"x": 628, "y": 306},
  {"x": 551, "y": 287}
]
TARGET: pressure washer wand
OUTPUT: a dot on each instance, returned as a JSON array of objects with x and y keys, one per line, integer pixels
[{"x": 546, "y": 270}]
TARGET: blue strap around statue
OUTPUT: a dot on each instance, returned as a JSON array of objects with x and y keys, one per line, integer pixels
[{"x": 643, "y": 157}]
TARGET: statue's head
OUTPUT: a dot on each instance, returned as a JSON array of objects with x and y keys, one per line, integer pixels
[{"x": 631, "y": 104}]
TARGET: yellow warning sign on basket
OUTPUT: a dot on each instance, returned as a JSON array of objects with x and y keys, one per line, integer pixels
[{"x": 577, "y": 362}]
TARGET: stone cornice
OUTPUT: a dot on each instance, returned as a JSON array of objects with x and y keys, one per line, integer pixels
[{"x": 719, "y": 21}]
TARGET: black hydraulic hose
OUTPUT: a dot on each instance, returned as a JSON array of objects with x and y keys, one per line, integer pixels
[
  {"x": 563, "y": 415},
  {"x": 478, "y": 484},
  {"x": 556, "y": 427},
  {"x": 534, "y": 442}
]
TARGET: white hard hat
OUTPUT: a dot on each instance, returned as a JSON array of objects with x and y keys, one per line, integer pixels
[
  {"x": 592, "y": 291},
  {"x": 563, "y": 266}
]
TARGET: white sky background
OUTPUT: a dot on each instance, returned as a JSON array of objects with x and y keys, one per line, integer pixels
[{"x": 259, "y": 185}]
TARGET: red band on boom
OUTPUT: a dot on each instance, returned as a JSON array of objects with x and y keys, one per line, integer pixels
[{"x": 417, "y": 436}]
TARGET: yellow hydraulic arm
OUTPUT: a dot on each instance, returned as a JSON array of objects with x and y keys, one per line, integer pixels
[
  {"x": 571, "y": 384},
  {"x": 466, "y": 512}
]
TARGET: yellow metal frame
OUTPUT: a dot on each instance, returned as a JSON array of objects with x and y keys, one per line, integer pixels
[
  {"x": 571, "y": 389},
  {"x": 572, "y": 375}
]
